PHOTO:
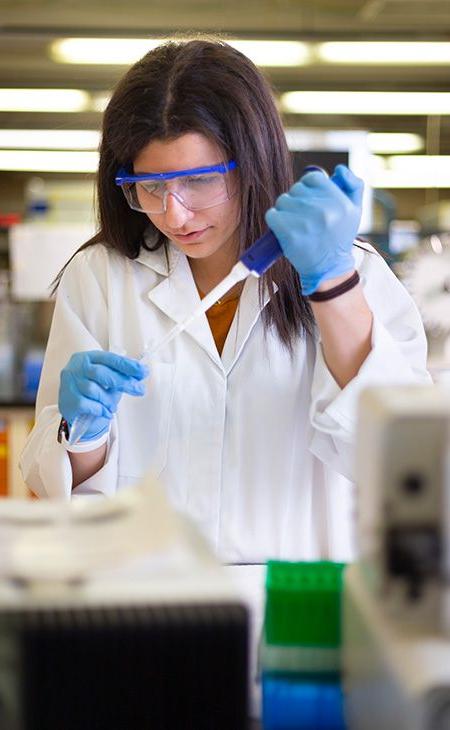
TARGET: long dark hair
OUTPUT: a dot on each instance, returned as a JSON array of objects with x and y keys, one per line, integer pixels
[{"x": 203, "y": 86}]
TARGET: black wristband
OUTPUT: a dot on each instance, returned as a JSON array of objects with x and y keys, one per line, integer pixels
[{"x": 336, "y": 291}]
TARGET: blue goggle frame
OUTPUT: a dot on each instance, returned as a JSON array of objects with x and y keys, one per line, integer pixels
[{"x": 123, "y": 176}]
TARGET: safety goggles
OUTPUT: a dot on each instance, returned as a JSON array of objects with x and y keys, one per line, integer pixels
[{"x": 197, "y": 189}]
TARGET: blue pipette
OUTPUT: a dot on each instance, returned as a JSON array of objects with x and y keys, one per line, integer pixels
[{"x": 254, "y": 261}]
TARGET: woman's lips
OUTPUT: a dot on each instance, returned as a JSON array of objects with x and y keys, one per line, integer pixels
[{"x": 188, "y": 237}]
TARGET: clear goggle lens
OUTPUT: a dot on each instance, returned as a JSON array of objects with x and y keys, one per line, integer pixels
[{"x": 195, "y": 192}]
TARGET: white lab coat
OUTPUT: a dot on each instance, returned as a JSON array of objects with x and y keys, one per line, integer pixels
[{"x": 255, "y": 446}]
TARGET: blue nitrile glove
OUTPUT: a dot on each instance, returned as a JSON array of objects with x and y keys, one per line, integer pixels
[
  {"x": 93, "y": 382},
  {"x": 316, "y": 222}
]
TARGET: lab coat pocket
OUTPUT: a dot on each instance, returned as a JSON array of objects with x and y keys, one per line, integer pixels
[{"x": 144, "y": 422}]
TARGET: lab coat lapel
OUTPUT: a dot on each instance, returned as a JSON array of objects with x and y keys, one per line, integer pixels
[
  {"x": 247, "y": 314},
  {"x": 177, "y": 296}
]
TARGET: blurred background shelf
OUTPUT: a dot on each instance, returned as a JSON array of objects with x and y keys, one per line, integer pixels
[{"x": 16, "y": 419}]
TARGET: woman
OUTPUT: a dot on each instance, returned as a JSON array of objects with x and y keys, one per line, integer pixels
[{"x": 248, "y": 418}]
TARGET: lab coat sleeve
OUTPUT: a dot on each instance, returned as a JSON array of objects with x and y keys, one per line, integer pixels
[
  {"x": 80, "y": 322},
  {"x": 398, "y": 356}
]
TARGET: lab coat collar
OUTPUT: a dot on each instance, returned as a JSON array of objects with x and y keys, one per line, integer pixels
[
  {"x": 177, "y": 295},
  {"x": 162, "y": 260}
]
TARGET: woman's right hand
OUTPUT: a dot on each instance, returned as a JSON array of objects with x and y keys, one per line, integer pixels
[{"x": 92, "y": 383}]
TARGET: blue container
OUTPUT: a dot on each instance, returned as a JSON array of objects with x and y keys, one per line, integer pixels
[
  {"x": 31, "y": 372},
  {"x": 302, "y": 703}
]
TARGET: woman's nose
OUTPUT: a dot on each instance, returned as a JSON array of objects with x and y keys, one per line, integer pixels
[{"x": 176, "y": 214}]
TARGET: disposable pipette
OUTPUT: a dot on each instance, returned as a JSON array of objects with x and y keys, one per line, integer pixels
[{"x": 254, "y": 261}]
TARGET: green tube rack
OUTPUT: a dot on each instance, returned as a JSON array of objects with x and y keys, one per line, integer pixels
[{"x": 303, "y": 604}]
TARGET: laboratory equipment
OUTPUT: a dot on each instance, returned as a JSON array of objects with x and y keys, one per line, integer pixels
[
  {"x": 113, "y": 615},
  {"x": 396, "y": 607},
  {"x": 396, "y": 677},
  {"x": 426, "y": 274},
  {"x": 300, "y": 647},
  {"x": 36, "y": 196},
  {"x": 303, "y": 603},
  {"x": 290, "y": 703},
  {"x": 402, "y": 469}
]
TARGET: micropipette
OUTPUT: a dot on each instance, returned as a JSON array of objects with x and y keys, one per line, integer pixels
[{"x": 254, "y": 261}]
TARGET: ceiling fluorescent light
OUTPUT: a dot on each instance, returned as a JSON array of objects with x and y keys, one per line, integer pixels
[
  {"x": 384, "y": 52},
  {"x": 366, "y": 102},
  {"x": 418, "y": 164},
  {"x": 411, "y": 171},
  {"x": 385, "y": 143},
  {"x": 117, "y": 51},
  {"x": 49, "y": 139},
  {"x": 125, "y": 51},
  {"x": 274, "y": 53},
  {"x": 48, "y": 161},
  {"x": 43, "y": 100}
]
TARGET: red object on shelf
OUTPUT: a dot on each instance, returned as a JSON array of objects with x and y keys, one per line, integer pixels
[{"x": 9, "y": 219}]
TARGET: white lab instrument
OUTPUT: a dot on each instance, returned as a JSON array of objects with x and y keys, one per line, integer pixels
[
  {"x": 403, "y": 515},
  {"x": 92, "y": 594},
  {"x": 396, "y": 677},
  {"x": 396, "y": 610}
]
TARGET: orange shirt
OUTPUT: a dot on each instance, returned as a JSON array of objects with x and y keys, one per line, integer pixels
[{"x": 220, "y": 317}]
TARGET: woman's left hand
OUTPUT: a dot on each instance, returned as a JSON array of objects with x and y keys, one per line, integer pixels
[{"x": 316, "y": 222}]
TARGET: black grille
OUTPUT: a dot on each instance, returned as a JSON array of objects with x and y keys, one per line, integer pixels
[{"x": 154, "y": 668}]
